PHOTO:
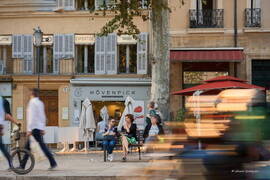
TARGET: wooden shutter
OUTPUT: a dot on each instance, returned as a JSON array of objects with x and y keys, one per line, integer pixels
[
  {"x": 69, "y": 4},
  {"x": 58, "y": 51},
  {"x": 100, "y": 55},
  {"x": 69, "y": 47},
  {"x": 142, "y": 53},
  {"x": 99, "y": 4},
  {"x": 256, "y": 3},
  {"x": 17, "y": 46},
  {"x": 200, "y": 12},
  {"x": 28, "y": 53},
  {"x": 111, "y": 54}
]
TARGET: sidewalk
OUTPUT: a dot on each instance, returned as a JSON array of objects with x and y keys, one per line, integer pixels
[{"x": 91, "y": 166}]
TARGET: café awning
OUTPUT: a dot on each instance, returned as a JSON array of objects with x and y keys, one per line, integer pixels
[{"x": 207, "y": 55}]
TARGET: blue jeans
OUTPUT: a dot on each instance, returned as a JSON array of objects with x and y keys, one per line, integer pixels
[
  {"x": 109, "y": 145},
  {"x": 4, "y": 151},
  {"x": 39, "y": 138}
]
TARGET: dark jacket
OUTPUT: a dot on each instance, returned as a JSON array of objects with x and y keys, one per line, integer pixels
[
  {"x": 132, "y": 131},
  {"x": 148, "y": 127}
]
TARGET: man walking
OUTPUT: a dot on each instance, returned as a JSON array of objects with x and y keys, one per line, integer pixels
[
  {"x": 36, "y": 120},
  {"x": 5, "y": 114}
]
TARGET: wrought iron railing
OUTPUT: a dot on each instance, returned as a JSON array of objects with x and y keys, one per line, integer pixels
[
  {"x": 206, "y": 18},
  {"x": 253, "y": 17}
]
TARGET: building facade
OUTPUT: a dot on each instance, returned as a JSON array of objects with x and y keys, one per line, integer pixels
[
  {"x": 218, "y": 37},
  {"x": 74, "y": 63}
]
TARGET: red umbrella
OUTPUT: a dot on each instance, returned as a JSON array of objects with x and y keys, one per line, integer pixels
[{"x": 215, "y": 85}]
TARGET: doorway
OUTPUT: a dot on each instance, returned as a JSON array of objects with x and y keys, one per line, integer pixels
[{"x": 50, "y": 100}]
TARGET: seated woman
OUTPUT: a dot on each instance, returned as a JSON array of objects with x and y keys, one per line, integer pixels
[
  {"x": 153, "y": 129},
  {"x": 109, "y": 138},
  {"x": 128, "y": 135}
]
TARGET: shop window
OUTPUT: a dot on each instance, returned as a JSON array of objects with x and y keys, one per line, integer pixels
[
  {"x": 192, "y": 78},
  {"x": 85, "y": 5},
  {"x": 128, "y": 58},
  {"x": 85, "y": 58},
  {"x": 261, "y": 73}
]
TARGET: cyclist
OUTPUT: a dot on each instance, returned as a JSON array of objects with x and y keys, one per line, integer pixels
[{"x": 5, "y": 114}]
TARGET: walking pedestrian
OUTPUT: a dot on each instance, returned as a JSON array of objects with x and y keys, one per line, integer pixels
[
  {"x": 36, "y": 121},
  {"x": 5, "y": 114}
]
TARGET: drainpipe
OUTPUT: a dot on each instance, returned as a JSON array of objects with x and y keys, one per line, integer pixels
[{"x": 235, "y": 23}]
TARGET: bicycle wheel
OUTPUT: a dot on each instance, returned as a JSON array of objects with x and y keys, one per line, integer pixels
[{"x": 16, "y": 161}]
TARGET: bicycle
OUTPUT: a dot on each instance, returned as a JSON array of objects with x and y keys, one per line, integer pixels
[{"x": 18, "y": 153}]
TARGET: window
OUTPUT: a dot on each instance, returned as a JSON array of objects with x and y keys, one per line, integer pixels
[
  {"x": 253, "y": 13},
  {"x": 85, "y": 5},
  {"x": 22, "y": 48},
  {"x": 101, "y": 4},
  {"x": 46, "y": 60},
  {"x": 85, "y": 58},
  {"x": 63, "y": 48},
  {"x": 127, "y": 58},
  {"x": 66, "y": 4}
]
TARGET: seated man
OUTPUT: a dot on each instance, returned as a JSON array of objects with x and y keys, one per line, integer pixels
[{"x": 109, "y": 138}]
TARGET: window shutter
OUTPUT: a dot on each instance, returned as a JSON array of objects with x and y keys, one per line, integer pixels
[
  {"x": 100, "y": 55},
  {"x": 256, "y": 3},
  {"x": 200, "y": 12},
  {"x": 111, "y": 53},
  {"x": 142, "y": 53},
  {"x": 69, "y": 4},
  {"x": 28, "y": 53},
  {"x": 69, "y": 47},
  {"x": 15, "y": 46},
  {"x": 60, "y": 3},
  {"x": 58, "y": 51},
  {"x": 98, "y": 4}
]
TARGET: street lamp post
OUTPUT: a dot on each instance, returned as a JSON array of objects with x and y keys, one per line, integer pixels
[{"x": 38, "y": 34}]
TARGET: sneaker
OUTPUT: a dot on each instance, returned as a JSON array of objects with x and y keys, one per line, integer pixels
[
  {"x": 52, "y": 168},
  {"x": 111, "y": 157},
  {"x": 124, "y": 159}
]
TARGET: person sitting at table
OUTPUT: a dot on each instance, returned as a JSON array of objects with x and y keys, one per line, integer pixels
[
  {"x": 128, "y": 134},
  {"x": 109, "y": 138}
]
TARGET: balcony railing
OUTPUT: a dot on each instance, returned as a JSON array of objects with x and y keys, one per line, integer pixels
[
  {"x": 206, "y": 18},
  {"x": 253, "y": 17}
]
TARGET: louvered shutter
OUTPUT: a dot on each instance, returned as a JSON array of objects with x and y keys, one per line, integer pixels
[
  {"x": 111, "y": 54},
  {"x": 69, "y": 4},
  {"x": 98, "y": 4},
  {"x": 28, "y": 53},
  {"x": 69, "y": 46},
  {"x": 256, "y": 3},
  {"x": 199, "y": 12},
  {"x": 60, "y": 3},
  {"x": 100, "y": 55},
  {"x": 17, "y": 44},
  {"x": 58, "y": 51},
  {"x": 142, "y": 53}
]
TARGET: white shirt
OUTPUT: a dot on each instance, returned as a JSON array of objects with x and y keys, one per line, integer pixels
[
  {"x": 36, "y": 118},
  {"x": 101, "y": 126},
  {"x": 2, "y": 111},
  {"x": 153, "y": 130}
]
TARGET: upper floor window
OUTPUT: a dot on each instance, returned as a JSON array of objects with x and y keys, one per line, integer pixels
[
  {"x": 205, "y": 14},
  {"x": 5, "y": 59},
  {"x": 85, "y": 5},
  {"x": 127, "y": 58},
  {"x": 253, "y": 13},
  {"x": 85, "y": 58}
]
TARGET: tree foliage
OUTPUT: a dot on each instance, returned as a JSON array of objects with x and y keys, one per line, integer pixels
[{"x": 125, "y": 11}]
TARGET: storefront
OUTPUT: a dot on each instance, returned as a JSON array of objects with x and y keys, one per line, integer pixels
[{"x": 111, "y": 93}]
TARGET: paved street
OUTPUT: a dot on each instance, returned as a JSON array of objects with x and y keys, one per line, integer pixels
[{"x": 91, "y": 166}]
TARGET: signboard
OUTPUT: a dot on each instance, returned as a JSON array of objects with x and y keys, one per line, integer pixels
[
  {"x": 47, "y": 40},
  {"x": 109, "y": 93},
  {"x": 19, "y": 113},
  {"x": 139, "y": 114},
  {"x": 5, "y": 40},
  {"x": 126, "y": 39},
  {"x": 84, "y": 39}
]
